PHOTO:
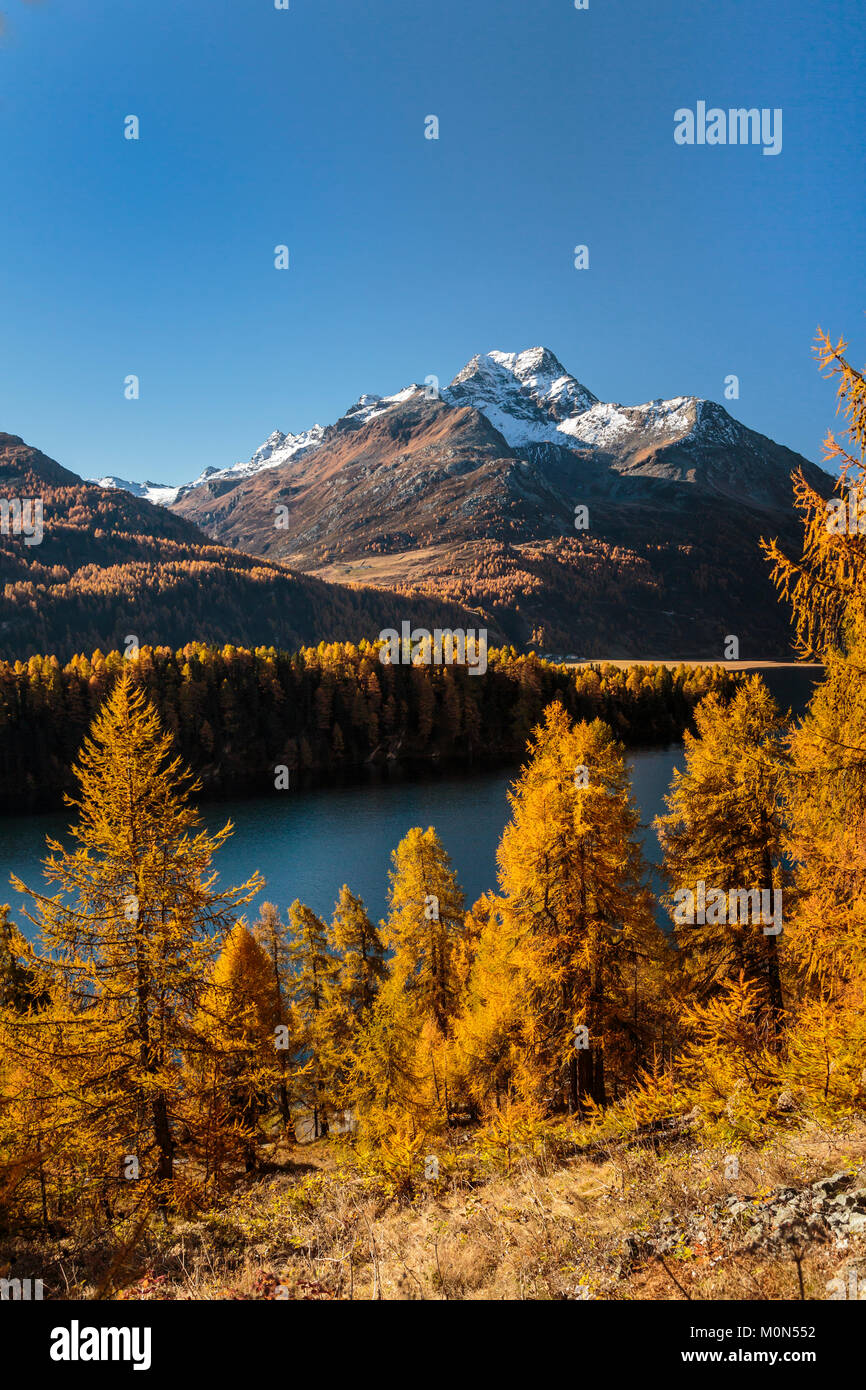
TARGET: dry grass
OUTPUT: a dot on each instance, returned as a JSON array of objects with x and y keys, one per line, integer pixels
[{"x": 314, "y": 1227}]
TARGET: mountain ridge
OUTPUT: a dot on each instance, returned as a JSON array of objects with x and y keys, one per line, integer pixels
[
  {"x": 563, "y": 522},
  {"x": 474, "y": 493},
  {"x": 529, "y": 396}
]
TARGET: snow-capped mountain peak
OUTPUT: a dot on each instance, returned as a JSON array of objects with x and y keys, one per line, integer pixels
[
  {"x": 541, "y": 373},
  {"x": 278, "y": 448},
  {"x": 531, "y": 399},
  {"x": 525, "y": 395},
  {"x": 272, "y": 443},
  {"x": 528, "y": 396}
]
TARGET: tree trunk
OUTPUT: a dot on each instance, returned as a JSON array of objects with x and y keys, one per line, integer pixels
[
  {"x": 584, "y": 1075},
  {"x": 774, "y": 977},
  {"x": 573, "y": 1086},
  {"x": 598, "y": 1090},
  {"x": 165, "y": 1143}
]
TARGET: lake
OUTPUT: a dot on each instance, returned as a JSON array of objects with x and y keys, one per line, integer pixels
[{"x": 308, "y": 843}]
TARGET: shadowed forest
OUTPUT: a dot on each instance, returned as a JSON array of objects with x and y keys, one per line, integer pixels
[{"x": 236, "y": 714}]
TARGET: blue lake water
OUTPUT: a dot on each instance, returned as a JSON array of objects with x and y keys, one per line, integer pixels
[{"x": 307, "y": 844}]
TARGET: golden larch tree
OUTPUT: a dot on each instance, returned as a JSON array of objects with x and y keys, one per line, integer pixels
[{"x": 126, "y": 948}]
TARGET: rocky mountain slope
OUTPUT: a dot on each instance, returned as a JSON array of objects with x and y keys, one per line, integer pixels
[{"x": 473, "y": 493}]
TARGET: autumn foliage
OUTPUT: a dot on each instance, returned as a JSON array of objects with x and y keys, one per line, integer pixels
[{"x": 155, "y": 1045}]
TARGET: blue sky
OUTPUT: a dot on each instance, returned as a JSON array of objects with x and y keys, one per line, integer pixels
[{"x": 306, "y": 127}]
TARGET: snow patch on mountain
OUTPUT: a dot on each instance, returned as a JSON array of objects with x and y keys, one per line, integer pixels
[
  {"x": 606, "y": 426},
  {"x": 160, "y": 494},
  {"x": 368, "y": 406}
]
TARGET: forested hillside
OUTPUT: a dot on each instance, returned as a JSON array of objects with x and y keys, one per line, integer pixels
[
  {"x": 110, "y": 565},
  {"x": 237, "y": 714}
]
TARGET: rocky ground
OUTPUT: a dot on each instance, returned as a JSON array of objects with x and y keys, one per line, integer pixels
[{"x": 789, "y": 1224}]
